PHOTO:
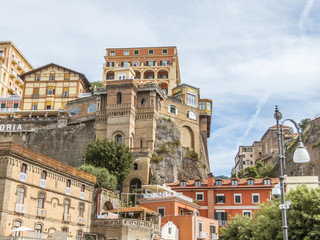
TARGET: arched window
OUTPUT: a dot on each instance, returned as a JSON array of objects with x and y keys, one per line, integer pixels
[
  {"x": 135, "y": 166},
  {"x": 16, "y": 224},
  {"x": 41, "y": 200},
  {"x": 143, "y": 101},
  {"x": 52, "y": 76},
  {"x": 118, "y": 139},
  {"x": 91, "y": 108},
  {"x": 173, "y": 109},
  {"x": 135, "y": 184},
  {"x": 119, "y": 98},
  {"x": 183, "y": 183},
  {"x": 197, "y": 183},
  {"x": 136, "y": 64},
  {"x": 141, "y": 143},
  {"x": 74, "y": 112},
  {"x": 38, "y": 227},
  {"x": 267, "y": 181},
  {"x": 64, "y": 229}
]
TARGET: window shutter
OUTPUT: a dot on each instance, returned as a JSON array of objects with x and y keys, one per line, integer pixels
[
  {"x": 225, "y": 217},
  {"x": 168, "y": 62},
  {"x": 121, "y": 64},
  {"x": 216, "y": 215},
  {"x": 112, "y": 64},
  {"x": 154, "y": 63},
  {"x": 216, "y": 201},
  {"x": 146, "y": 63},
  {"x": 54, "y": 91},
  {"x": 224, "y": 199},
  {"x": 160, "y": 63}
]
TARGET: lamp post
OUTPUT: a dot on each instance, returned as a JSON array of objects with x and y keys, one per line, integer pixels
[{"x": 300, "y": 155}]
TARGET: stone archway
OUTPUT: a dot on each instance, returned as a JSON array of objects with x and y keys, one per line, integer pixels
[
  {"x": 187, "y": 137},
  {"x": 135, "y": 184},
  {"x": 107, "y": 206}
]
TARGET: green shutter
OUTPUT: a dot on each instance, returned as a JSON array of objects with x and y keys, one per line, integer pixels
[
  {"x": 225, "y": 217},
  {"x": 160, "y": 63},
  {"x": 121, "y": 64},
  {"x": 216, "y": 199},
  {"x": 154, "y": 63},
  {"x": 112, "y": 64},
  {"x": 168, "y": 62},
  {"x": 216, "y": 216}
]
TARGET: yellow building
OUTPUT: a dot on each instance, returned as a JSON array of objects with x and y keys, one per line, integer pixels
[
  {"x": 43, "y": 194},
  {"x": 12, "y": 65},
  {"x": 51, "y": 86}
]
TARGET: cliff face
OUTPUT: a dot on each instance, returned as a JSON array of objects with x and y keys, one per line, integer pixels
[
  {"x": 311, "y": 139},
  {"x": 171, "y": 161}
]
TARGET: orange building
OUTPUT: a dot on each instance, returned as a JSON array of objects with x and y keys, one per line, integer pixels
[
  {"x": 148, "y": 64},
  {"x": 223, "y": 198},
  {"x": 183, "y": 212}
]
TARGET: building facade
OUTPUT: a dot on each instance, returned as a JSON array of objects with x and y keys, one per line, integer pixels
[
  {"x": 45, "y": 195},
  {"x": 224, "y": 198},
  {"x": 51, "y": 86},
  {"x": 12, "y": 65}
]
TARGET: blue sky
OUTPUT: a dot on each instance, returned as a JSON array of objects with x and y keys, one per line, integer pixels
[{"x": 246, "y": 55}]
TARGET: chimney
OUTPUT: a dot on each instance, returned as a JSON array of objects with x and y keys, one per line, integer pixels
[{"x": 210, "y": 179}]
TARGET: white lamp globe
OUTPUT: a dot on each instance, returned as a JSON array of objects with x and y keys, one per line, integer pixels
[{"x": 301, "y": 154}]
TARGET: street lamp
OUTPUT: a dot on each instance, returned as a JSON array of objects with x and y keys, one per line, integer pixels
[{"x": 300, "y": 155}]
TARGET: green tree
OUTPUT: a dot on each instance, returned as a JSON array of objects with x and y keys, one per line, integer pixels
[
  {"x": 116, "y": 158},
  {"x": 104, "y": 178},
  {"x": 252, "y": 172},
  {"x": 97, "y": 83},
  {"x": 303, "y": 219},
  {"x": 304, "y": 123},
  {"x": 240, "y": 173}
]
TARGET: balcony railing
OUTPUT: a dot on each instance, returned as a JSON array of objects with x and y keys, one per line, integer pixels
[
  {"x": 82, "y": 195},
  {"x": 14, "y": 60},
  {"x": 81, "y": 221},
  {"x": 20, "y": 208},
  {"x": 167, "y": 194},
  {"x": 41, "y": 212},
  {"x": 23, "y": 176},
  {"x": 203, "y": 235},
  {"x": 213, "y": 236},
  {"x": 222, "y": 223},
  {"x": 66, "y": 217},
  {"x": 19, "y": 80},
  {"x": 43, "y": 183}
]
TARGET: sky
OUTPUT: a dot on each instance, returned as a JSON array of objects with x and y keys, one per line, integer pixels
[{"x": 245, "y": 55}]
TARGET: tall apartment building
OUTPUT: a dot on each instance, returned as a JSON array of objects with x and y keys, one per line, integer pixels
[
  {"x": 247, "y": 156},
  {"x": 148, "y": 64},
  {"x": 49, "y": 87},
  {"x": 12, "y": 65},
  {"x": 42, "y": 194}
]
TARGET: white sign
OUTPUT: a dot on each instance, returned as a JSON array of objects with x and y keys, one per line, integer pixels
[{"x": 10, "y": 127}]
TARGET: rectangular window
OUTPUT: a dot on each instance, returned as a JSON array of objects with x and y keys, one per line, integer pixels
[
  {"x": 200, "y": 227},
  {"x": 126, "y": 52},
  {"x": 36, "y": 92},
  {"x": 220, "y": 198},
  {"x": 212, "y": 228},
  {"x": 43, "y": 179},
  {"x": 3, "y": 105},
  {"x": 237, "y": 198},
  {"x": 202, "y": 106},
  {"x": 208, "y": 106},
  {"x": 246, "y": 213},
  {"x": 23, "y": 172},
  {"x": 83, "y": 187},
  {"x": 136, "y": 52},
  {"x": 49, "y": 105},
  {"x": 191, "y": 99},
  {"x": 65, "y": 92},
  {"x": 255, "y": 198},
  {"x": 50, "y": 91},
  {"x": 34, "y": 106},
  {"x": 67, "y": 76},
  {"x": 161, "y": 210},
  {"x": 150, "y": 52},
  {"x": 247, "y": 162},
  {"x": 81, "y": 209},
  {"x": 68, "y": 191},
  {"x": 221, "y": 216},
  {"x": 199, "y": 196},
  {"x": 125, "y": 64},
  {"x": 37, "y": 77},
  {"x": 110, "y": 64},
  {"x": 112, "y": 53},
  {"x": 150, "y": 63},
  {"x": 164, "y": 51},
  {"x": 16, "y": 105},
  {"x": 164, "y": 63},
  {"x": 266, "y": 181}
]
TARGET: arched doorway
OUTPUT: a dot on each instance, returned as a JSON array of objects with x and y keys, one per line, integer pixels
[
  {"x": 135, "y": 184},
  {"x": 107, "y": 206},
  {"x": 187, "y": 137}
]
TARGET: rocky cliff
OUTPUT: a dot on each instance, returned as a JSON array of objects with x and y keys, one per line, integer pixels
[{"x": 171, "y": 161}]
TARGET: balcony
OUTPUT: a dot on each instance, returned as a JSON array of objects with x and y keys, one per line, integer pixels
[
  {"x": 20, "y": 208},
  {"x": 82, "y": 195},
  {"x": 167, "y": 194},
  {"x": 14, "y": 60},
  {"x": 213, "y": 236},
  {"x": 43, "y": 183},
  {"x": 68, "y": 191},
  {"x": 81, "y": 221},
  {"x": 203, "y": 235},
  {"x": 19, "y": 81},
  {"x": 67, "y": 217},
  {"x": 222, "y": 223},
  {"x": 23, "y": 177},
  {"x": 1, "y": 55},
  {"x": 41, "y": 212},
  {"x": 13, "y": 74}
]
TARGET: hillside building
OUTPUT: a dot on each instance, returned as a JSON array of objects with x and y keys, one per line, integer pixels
[
  {"x": 12, "y": 65},
  {"x": 51, "y": 86},
  {"x": 43, "y": 194}
]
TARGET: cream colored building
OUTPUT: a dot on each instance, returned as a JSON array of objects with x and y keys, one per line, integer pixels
[
  {"x": 51, "y": 86},
  {"x": 12, "y": 65},
  {"x": 293, "y": 182},
  {"x": 43, "y": 194}
]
